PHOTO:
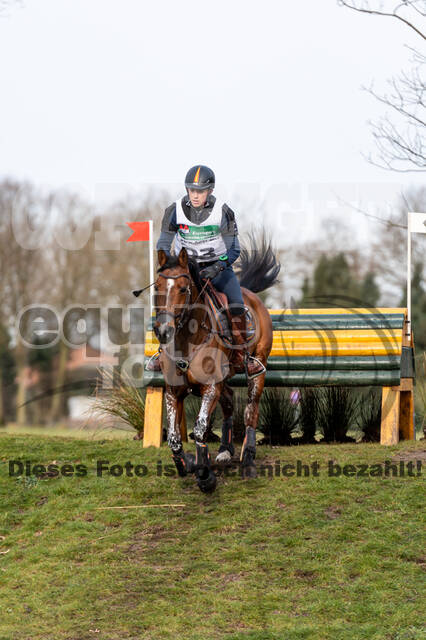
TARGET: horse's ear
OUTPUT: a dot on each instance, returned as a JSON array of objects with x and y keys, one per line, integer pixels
[
  {"x": 183, "y": 258},
  {"x": 162, "y": 257}
]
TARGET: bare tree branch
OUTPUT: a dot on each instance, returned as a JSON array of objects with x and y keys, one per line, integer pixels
[
  {"x": 363, "y": 7},
  {"x": 401, "y": 144},
  {"x": 388, "y": 223}
]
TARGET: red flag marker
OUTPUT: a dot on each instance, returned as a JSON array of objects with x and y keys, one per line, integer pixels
[
  {"x": 144, "y": 232},
  {"x": 140, "y": 231}
]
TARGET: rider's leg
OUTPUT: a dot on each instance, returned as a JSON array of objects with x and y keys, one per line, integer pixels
[{"x": 227, "y": 282}]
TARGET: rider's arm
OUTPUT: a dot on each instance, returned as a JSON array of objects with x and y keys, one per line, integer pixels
[
  {"x": 168, "y": 229},
  {"x": 230, "y": 234}
]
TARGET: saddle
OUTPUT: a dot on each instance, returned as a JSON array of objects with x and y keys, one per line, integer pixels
[{"x": 217, "y": 301}]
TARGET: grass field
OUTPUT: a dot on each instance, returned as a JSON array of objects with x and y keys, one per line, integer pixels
[
  {"x": 79, "y": 432},
  {"x": 276, "y": 557}
]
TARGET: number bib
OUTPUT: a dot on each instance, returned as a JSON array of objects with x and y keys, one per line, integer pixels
[{"x": 203, "y": 241}]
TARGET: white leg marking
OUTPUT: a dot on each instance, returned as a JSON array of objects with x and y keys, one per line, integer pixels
[{"x": 224, "y": 456}]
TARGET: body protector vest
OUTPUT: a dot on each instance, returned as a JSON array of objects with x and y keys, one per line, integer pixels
[{"x": 202, "y": 241}]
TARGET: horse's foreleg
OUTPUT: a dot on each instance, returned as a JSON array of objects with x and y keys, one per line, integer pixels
[
  {"x": 251, "y": 417},
  {"x": 174, "y": 407},
  {"x": 226, "y": 449},
  {"x": 206, "y": 479}
]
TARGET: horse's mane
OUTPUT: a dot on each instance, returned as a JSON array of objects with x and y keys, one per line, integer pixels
[{"x": 194, "y": 270}]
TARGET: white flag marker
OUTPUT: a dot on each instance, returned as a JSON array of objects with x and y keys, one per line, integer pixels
[{"x": 416, "y": 224}]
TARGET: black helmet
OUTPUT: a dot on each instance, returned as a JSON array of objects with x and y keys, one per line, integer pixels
[{"x": 200, "y": 177}]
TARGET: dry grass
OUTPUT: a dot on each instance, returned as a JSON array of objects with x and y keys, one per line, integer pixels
[{"x": 124, "y": 401}]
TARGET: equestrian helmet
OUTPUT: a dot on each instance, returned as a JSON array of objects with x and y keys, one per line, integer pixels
[{"x": 200, "y": 177}]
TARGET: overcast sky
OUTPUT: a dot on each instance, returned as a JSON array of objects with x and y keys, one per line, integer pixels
[{"x": 132, "y": 93}]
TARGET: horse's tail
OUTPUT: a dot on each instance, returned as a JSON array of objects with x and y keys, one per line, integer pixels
[{"x": 258, "y": 266}]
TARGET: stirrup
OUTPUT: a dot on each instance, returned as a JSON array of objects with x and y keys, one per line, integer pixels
[
  {"x": 254, "y": 375},
  {"x": 152, "y": 359}
]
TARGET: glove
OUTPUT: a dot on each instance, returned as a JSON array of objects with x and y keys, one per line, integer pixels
[{"x": 212, "y": 270}]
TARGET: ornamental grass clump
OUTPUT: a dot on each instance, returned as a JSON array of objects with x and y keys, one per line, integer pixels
[
  {"x": 337, "y": 409},
  {"x": 278, "y": 416},
  {"x": 124, "y": 400},
  {"x": 370, "y": 415}
]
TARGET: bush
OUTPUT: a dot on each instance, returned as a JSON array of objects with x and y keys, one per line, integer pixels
[
  {"x": 369, "y": 415},
  {"x": 329, "y": 412},
  {"x": 337, "y": 409},
  {"x": 278, "y": 416},
  {"x": 308, "y": 414}
]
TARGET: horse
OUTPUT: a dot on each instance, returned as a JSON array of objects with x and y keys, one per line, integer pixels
[{"x": 196, "y": 356}]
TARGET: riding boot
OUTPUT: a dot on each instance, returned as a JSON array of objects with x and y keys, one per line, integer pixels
[{"x": 241, "y": 360}]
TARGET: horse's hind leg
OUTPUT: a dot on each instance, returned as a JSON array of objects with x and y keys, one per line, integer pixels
[
  {"x": 226, "y": 449},
  {"x": 251, "y": 417}
]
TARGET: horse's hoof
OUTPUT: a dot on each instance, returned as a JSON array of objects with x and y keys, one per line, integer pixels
[
  {"x": 223, "y": 456},
  {"x": 207, "y": 484},
  {"x": 249, "y": 471},
  {"x": 185, "y": 463}
]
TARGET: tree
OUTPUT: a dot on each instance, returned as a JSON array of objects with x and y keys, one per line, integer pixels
[
  {"x": 72, "y": 277},
  {"x": 389, "y": 254},
  {"x": 333, "y": 278},
  {"x": 370, "y": 292},
  {"x": 22, "y": 272},
  {"x": 7, "y": 372},
  {"x": 400, "y": 140}
]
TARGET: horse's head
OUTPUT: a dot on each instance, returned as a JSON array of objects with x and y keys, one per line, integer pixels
[{"x": 173, "y": 291}]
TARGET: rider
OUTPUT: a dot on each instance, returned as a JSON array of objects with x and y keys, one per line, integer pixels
[{"x": 208, "y": 231}]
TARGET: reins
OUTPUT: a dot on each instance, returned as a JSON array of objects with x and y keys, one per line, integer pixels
[{"x": 180, "y": 317}]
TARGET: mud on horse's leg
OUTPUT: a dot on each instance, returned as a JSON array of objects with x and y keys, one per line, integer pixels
[
  {"x": 251, "y": 417},
  {"x": 206, "y": 478},
  {"x": 226, "y": 449},
  {"x": 174, "y": 407}
]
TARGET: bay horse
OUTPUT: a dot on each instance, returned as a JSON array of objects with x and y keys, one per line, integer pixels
[{"x": 196, "y": 357}]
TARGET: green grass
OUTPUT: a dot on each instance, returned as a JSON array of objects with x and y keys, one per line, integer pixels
[{"x": 299, "y": 557}]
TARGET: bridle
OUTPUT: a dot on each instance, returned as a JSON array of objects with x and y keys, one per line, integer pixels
[
  {"x": 181, "y": 315},
  {"x": 183, "y": 364}
]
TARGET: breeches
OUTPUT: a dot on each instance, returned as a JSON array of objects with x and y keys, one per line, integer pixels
[{"x": 227, "y": 282}]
